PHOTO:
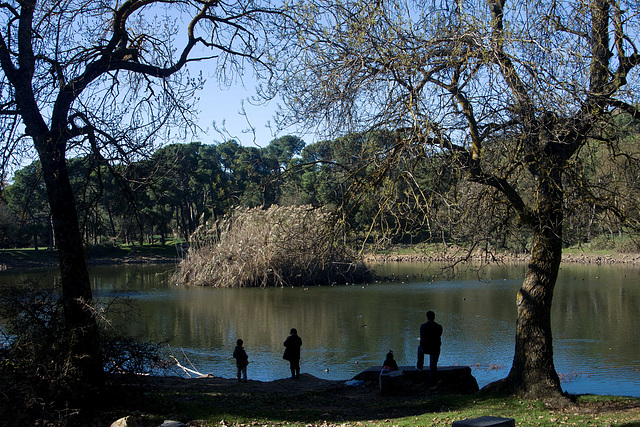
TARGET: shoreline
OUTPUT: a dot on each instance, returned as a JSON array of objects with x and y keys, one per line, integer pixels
[
  {"x": 14, "y": 263},
  {"x": 10, "y": 265},
  {"x": 568, "y": 258},
  {"x": 314, "y": 402}
]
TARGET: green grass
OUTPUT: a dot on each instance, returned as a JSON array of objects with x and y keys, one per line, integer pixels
[
  {"x": 28, "y": 257},
  {"x": 167, "y": 250},
  {"x": 418, "y": 249},
  {"x": 584, "y": 249},
  {"x": 310, "y": 409},
  {"x": 224, "y": 402},
  {"x": 438, "y": 248}
]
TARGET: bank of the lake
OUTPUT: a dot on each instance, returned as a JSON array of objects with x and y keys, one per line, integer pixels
[
  {"x": 17, "y": 259},
  {"x": 311, "y": 402},
  {"x": 314, "y": 401},
  {"x": 347, "y": 328},
  {"x": 452, "y": 255}
]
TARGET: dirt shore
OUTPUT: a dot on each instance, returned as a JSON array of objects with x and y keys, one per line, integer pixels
[
  {"x": 307, "y": 398},
  {"x": 452, "y": 257},
  {"x": 311, "y": 401},
  {"x": 9, "y": 263}
]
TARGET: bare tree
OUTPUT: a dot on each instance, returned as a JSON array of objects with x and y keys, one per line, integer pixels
[
  {"x": 511, "y": 94},
  {"x": 108, "y": 78}
]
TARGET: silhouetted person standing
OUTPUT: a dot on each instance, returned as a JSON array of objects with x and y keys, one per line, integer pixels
[
  {"x": 242, "y": 360},
  {"x": 430, "y": 342},
  {"x": 292, "y": 352}
]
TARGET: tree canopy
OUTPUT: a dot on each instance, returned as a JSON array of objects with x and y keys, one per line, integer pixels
[
  {"x": 108, "y": 80},
  {"x": 516, "y": 97}
]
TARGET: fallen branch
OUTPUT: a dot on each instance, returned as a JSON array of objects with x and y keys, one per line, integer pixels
[{"x": 187, "y": 370}]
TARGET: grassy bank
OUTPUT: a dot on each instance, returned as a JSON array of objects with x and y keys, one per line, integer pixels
[
  {"x": 216, "y": 402},
  {"x": 453, "y": 254},
  {"x": 31, "y": 258},
  {"x": 120, "y": 254}
]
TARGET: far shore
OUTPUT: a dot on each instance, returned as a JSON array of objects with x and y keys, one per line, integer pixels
[
  {"x": 568, "y": 258},
  {"x": 16, "y": 260},
  {"x": 20, "y": 259}
]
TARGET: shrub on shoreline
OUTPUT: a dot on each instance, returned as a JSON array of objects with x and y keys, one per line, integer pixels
[{"x": 279, "y": 246}]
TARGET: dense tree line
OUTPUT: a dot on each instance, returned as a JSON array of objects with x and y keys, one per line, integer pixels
[
  {"x": 164, "y": 196},
  {"x": 182, "y": 186}
]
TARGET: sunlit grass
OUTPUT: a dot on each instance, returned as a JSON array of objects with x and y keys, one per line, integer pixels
[{"x": 311, "y": 409}]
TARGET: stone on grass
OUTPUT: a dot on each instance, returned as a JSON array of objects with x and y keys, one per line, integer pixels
[
  {"x": 170, "y": 423},
  {"x": 127, "y": 421},
  {"x": 487, "y": 421},
  {"x": 453, "y": 379},
  {"x": 391, "y": 381}
]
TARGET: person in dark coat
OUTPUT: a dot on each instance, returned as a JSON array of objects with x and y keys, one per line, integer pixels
[
  {"x": 430, "y": 342},
  {"x": 242, "y": 360},
  {"x": 389, "y": 363},
  {"x": 292, "y": 352}
]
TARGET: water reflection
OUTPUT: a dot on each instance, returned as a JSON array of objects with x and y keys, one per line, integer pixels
[{"x": 347, "y": 328}]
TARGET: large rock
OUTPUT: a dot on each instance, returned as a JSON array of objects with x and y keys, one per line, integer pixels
[
  {"x": 455, "y": 379},
  {"x": 391, "y": 381},
  {"x": 486, "y": 421},
  {"x": 128, "y": 421}
]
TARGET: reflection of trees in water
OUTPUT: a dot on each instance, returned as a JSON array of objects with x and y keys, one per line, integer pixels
[
  {"x": 348, "y": 319},
  {"x": 599, "y": 303},
  {"x": 596, "y": 309}
]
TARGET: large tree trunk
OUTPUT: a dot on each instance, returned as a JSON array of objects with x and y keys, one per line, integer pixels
[
  {"x": 533, "y": 374},
  {"x": 81, "y": 331}
]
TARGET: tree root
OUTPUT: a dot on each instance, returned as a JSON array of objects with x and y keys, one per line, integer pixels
[{"x": 551, "y": 396}]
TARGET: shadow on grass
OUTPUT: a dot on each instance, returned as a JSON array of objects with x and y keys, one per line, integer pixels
[
  {"x": 317, "y": 402},
  {"x": 16, "y": 259},
  {"x": 227, "y": 400}
]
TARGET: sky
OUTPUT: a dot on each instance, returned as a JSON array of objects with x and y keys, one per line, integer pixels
[{"x": 223, "y": 107}]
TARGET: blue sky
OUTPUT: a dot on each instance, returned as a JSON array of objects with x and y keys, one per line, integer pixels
[{"x": 224, "y": 105}]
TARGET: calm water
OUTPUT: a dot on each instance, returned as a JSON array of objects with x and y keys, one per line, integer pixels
[{"x": 348, "y": 328}]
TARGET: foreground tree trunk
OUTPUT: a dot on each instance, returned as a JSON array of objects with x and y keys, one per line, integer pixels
[
  {"x": 511, "y": 104},
  {"x": 533, "y": 373},
  {"x": 106, "y": 78},
  {"x": 82, "y": 343}
]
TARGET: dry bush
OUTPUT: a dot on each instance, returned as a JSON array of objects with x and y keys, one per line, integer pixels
[
  {"x": 38, "y": 385},
  {"x": 293, "y": 246}
]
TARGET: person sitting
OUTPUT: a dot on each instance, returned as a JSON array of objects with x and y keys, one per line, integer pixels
[{"x": 389, "y": 363}]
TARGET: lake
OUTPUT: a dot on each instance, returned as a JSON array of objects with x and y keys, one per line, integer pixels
[{"x": 346, "y": 329}]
